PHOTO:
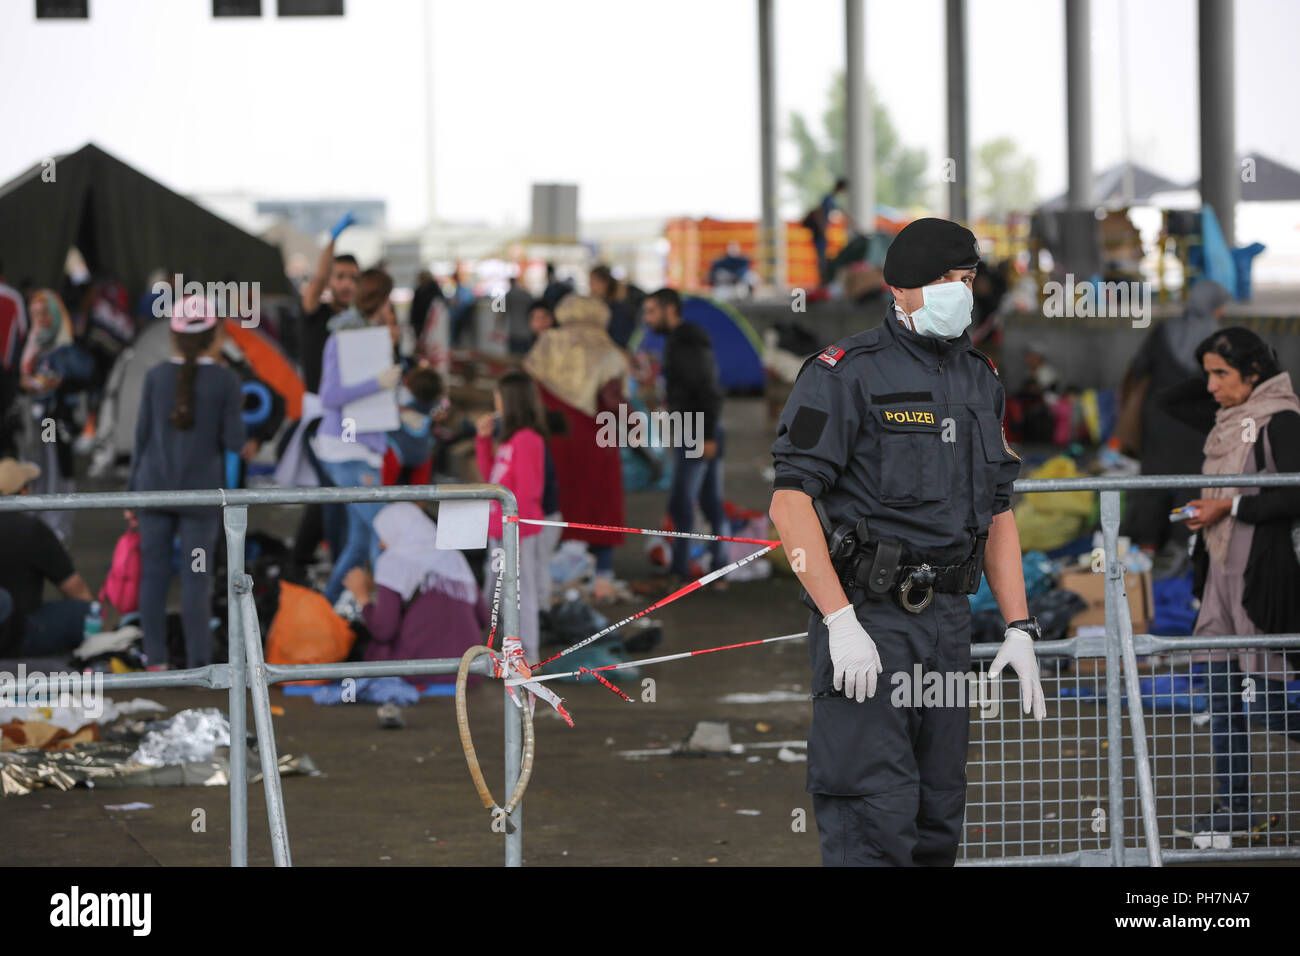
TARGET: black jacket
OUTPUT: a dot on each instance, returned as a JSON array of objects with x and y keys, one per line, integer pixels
[
  {"x": 312, "y": 336},
  {"x": 1272, "y": 594},
  {"x": 691, "y": 376},
  {"x": 903, "y": 430}
]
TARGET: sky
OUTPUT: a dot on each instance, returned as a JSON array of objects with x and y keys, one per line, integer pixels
[{"x": 652, "y": 108}]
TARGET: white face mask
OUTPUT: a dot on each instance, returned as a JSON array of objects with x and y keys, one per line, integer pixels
[{"x": 947, "y": 310}]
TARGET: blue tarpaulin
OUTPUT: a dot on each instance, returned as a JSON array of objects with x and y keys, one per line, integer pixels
[
  {"x": 1161, "y": 693},
  {"x": 1175, "y": 611},
  {"x": 1219, "y": 263}
]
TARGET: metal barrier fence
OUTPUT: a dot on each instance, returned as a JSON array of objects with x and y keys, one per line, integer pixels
[
  {"x": 1017, "y": 812},
  {"x": 1042, "y": 795},
  {"x": 247, "y": 671},
  {"x": 1064, "y": 792}
]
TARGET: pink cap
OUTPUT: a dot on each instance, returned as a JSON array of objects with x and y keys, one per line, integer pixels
[{"x": 193, "y": 314}]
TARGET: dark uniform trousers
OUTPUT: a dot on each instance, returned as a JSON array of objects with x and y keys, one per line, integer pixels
[{"x": 889, "y": 782}]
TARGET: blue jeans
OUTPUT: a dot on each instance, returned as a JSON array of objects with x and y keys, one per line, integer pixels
[
  {"x": 359, "y": 543},
  {"x": 462, "y": 317},
  {"x": 198, "y": 529},
  {"x": 328, "y": 521},
  {"x": 697, "y": 479},
  {"x": 1230, "y": 719},
  {"x": 54, "y": 628}
]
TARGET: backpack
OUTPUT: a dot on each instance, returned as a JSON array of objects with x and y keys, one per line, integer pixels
[{"x": 122, "y": 586}]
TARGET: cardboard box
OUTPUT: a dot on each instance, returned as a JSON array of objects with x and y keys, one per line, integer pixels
[{"x": 1091, "y": 586}]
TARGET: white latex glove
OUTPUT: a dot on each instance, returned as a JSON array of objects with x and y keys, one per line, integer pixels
[
  {"x": 389, "y": 377},
  {"x": 853, "y": 654},
  {"x": 1018, "y": 650}
]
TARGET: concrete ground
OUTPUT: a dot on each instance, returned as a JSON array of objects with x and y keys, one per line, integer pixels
[{"x": 404, "y": 797}]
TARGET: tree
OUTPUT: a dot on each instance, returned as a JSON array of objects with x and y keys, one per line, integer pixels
[
  {"x": 898, "y": 168},
  {"x": 1004, "y": 179}
]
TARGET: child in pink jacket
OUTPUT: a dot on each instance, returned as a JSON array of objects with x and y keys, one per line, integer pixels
[{"x": 511, "y": 449}]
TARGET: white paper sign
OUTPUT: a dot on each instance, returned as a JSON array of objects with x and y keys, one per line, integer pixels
[
  {"x": 463, "y": 525},
  {"x": 363, "y": 354}
]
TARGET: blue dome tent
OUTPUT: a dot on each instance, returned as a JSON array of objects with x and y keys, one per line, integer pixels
[{"x": 736, "y": 347}]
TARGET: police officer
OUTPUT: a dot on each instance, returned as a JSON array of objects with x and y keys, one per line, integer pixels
[{"x": 892, "y": 490}]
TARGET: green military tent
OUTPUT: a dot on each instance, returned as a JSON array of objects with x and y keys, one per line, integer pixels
[{"x": 125, "y": 225}]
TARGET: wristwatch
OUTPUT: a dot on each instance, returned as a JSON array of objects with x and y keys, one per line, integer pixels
[{"x": 1030, "y": 626}]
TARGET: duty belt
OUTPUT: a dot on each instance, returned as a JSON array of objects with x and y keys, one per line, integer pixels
[
  {"x": 875, "y": 566},
  {"x": 946, "y": 579}
]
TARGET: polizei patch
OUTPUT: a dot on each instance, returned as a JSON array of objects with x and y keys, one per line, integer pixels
[
  {"x": 831, "y": 356},
  {"x": 910, "y": 416}
]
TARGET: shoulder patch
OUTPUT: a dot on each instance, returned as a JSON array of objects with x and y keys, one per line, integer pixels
[
  {"x": 987, "y": 361},
  {"x": 831, "y": 356},
  {"x": 835, "y": 356}
]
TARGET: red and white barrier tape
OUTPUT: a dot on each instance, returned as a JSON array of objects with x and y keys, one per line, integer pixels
[
  {"x": 655, "y": 660},
  {"x": 515, "y": 662},
  {"x": 512, "y": 662},
  {"x": 698, "y": 536},
  {"x": 680, "y": 592},
  {"x": 496, "y": 606}
]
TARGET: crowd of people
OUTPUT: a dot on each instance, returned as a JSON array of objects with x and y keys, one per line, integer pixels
[
  {"x": 1191, "y": 378},
  {"x": 371, "y": 562}
]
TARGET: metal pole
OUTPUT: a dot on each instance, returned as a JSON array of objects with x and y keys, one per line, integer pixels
[
  {"x": 859, "y": 141},
  {"x": 1114, "y": 692},
  {"x": 1128, "y": 189},
  {"x": 221, "y": 498},
  {"x": 770, "y": 238},
  {"x": 1220, "y": 182},
  {"x": 235, "y": 519},
  {"x": 1078, "y": 101},
  {"x": 1137, "y": 725},
  {"x": 431, "y": 205},
  {"x": 514, "y": 722},
  {"x": 266, "y": 748},
  {"x": 958, "y": 144}
]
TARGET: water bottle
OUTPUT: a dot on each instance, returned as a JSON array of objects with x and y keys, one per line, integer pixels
[{"x": 94, "y": 619}]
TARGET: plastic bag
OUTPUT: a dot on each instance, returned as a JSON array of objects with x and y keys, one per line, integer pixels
[{"x": 190, "y": 736}]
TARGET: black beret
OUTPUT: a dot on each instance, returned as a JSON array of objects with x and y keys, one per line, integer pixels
[{"x": 928, "y": 248}]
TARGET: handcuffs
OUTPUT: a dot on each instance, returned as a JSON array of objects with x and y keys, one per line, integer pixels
[{"x": 923, "y": 576}]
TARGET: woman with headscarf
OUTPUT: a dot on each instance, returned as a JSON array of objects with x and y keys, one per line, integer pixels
[
  {"x": 422, "y": 602},
  {"x": 1168, "y": 445},
  {"x": 53, "y": 368},
  {"x": 580, "y": 373},
  {"x": 1247, "y": 574}
]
